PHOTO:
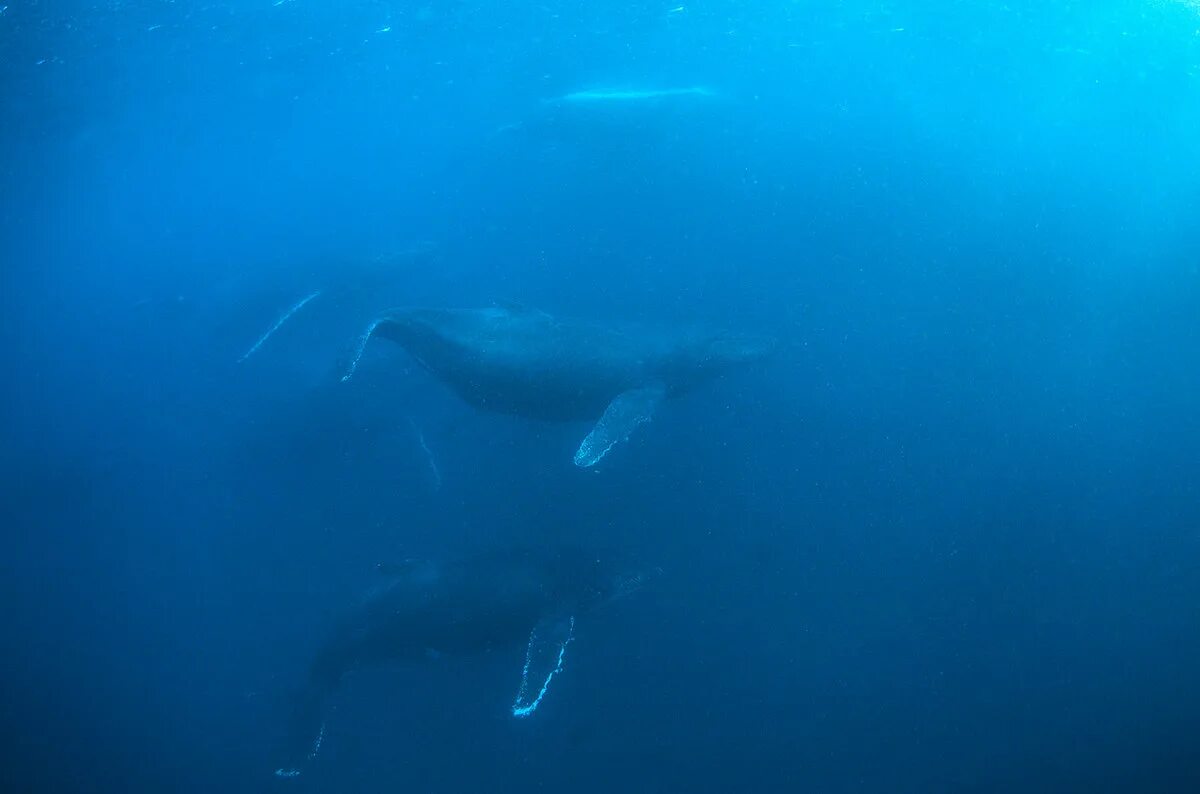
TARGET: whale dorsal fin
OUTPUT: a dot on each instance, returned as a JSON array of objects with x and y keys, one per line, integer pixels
[{"x": 623, "y": 415}]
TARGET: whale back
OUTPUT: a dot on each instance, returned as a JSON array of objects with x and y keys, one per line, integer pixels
[
  {"x": 528, "y": 363},
  {"x": 521, "y": 361}
]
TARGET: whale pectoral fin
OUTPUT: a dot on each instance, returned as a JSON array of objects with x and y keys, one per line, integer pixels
[
  {"x": 360, "y": 345},
  {"x": 306, "y": 732},
  {"x": 544, "y": 657},
  {"x": 623, "y": 415},
  {"x": 283, "y": 318}
]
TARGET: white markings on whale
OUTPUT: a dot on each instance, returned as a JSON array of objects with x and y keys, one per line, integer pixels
[
  {"x": 523, "y": 706},
  {"x": 623, "y": 415}
]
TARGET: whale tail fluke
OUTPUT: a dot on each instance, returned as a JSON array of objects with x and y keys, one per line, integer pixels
[{"x": 401, "y": 325}]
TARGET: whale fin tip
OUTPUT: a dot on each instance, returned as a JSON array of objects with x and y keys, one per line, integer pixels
[{"x": 623, "y": 415}]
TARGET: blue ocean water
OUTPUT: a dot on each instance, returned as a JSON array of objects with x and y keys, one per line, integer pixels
[{"x": 945, "y": 539}]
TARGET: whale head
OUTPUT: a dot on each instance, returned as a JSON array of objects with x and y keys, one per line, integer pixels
[
  {"x": 704, "y": 358},
  {"x": 729, "y": 350}
]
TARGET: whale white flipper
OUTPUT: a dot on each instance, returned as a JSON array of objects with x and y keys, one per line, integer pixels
[
  {"x": 544, "y": 657},
  {"x": 283, "y": 318},
  {"x": 623, "y": 415}
]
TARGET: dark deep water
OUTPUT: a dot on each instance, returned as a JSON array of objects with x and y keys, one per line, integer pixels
[{"x": 946, "y": 539}]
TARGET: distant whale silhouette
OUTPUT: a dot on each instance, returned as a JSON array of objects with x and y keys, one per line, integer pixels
[
  {"x": 528, "y": 363},
  {"x": 489, "y": 601},
  {"x": 599, "y": 95}
]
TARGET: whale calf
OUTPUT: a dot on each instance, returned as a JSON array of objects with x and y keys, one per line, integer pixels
[
  {"x": 489, "y": 601},
  {"x": 528, "y": 363}
]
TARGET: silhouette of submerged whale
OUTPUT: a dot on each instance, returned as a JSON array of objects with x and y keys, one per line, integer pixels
[
  {"x": 528, "y": 363},
  {"x": 471, "y": 605}
]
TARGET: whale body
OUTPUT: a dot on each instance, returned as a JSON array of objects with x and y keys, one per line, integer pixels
[
  {"x": 425, "y": 610},
  {"x": 528, "y": 363}
]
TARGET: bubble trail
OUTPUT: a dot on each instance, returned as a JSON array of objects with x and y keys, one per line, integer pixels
[
  {"x": 519, "y": 710},
  {"x": 433, "y": 467},
  {"x": 283, "y": 319}
]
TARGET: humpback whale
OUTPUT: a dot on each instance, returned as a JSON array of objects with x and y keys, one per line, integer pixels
[
  {"x": 527, "y": 363},
  {"x": 493, "y": 600},
  {"x": 599, "y": 95}
]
